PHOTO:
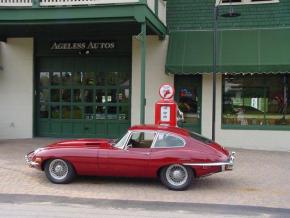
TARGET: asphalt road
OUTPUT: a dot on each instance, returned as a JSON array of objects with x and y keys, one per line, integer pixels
[{"x": 48, "y": 206}]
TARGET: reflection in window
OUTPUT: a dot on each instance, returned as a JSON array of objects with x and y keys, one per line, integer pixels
[
  {"x": 100, "y": 96},
  {"x": 88, "y": 95},
  {"x": 66, "y": 95},
  {"x": 77, "y": 78},
  {"x": 55, "y": 95},
  {"x": 112, "y": 112},
  {"x": 77, "y": 112},
  {"x": 55, "y": 112},
  {"x": 89, "y": 78},
  {"x": 124, "y": 95},
  {"x": 44, "y": 78},
  {"x": 44, "y": 96},
  {"x": 112, "y": 78},
  {"x": 256, "y": 100},
  {"x": 100, "y": 78},
  {"x": 100, "y": 112},
  {"x": 89, "y": 112},
  {"x": 55, "y": 78},
  {"x": 66, "y": 112},
  {"x": 124, "y": 112},
  {"x": 77, "y": 95},
  {"x": 66, "y": 78},
  {"x": 43, "y": 110},
  {"x": 112, "y": 96}
]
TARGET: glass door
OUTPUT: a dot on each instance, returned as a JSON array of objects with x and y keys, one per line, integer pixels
[
  {"x": 188, "y": 98},
  {"x": 83, "y": 96}
]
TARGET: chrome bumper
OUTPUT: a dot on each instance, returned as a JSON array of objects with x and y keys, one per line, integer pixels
[
  {"x": 226, "y": 165},
  {"x": 30, "y": 163}
]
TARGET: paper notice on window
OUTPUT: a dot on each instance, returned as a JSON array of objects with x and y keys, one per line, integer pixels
[{"x": 165, "y": 113}]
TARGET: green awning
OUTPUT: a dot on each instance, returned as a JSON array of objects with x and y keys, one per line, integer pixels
[{"x": 239, "y": 51}]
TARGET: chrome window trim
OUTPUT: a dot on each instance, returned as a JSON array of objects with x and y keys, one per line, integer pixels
[{"x": 172, "y": 134}]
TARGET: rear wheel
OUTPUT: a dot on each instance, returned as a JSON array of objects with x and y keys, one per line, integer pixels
[
  {"x": 59, "y": 171},
  {"x": 176, "y": 177}
]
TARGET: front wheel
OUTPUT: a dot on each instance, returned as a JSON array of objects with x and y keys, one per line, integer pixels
[
  {"x": 176, "y": 177},
  {"x": 59, "y": 171}
]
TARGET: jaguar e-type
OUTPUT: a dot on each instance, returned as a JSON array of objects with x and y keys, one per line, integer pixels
[{"x": 174, "y": 155}]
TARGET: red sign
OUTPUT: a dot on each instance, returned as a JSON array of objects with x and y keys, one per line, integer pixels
[{"x": 166, "y": 91}]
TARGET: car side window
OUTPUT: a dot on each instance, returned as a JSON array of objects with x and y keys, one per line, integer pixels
[
  {"x": 141, "y": 139},
  {"x": 168, "y": 140}
]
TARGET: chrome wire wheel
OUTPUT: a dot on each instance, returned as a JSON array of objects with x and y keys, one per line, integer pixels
[
  {"x": 176, "y": 175},
  {"x": 58, "y": 169}
]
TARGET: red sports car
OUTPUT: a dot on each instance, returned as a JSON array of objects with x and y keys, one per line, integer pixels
[{"x": 174, "y": 155}]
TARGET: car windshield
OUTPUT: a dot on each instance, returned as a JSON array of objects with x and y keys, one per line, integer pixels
[
  {"x": 200, "y": 138},
  {"x": 120, "y": 142}
]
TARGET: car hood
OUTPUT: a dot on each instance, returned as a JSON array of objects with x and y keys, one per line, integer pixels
[{"x": 101, "y": 143}]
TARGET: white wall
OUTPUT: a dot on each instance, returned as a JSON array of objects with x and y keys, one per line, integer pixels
[
  {"x": 155, "y": 76},
  {"x": 16, "y": 88},
  {"x": 249, "y": 139}
]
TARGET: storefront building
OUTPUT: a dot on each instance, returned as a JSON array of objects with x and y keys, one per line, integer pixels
[{"x": 90, "y": 71}]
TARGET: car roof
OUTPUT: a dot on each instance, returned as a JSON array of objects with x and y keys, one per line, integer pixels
[{"x": 171, "y": 129}]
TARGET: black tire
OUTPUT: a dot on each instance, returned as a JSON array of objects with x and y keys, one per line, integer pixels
[
  {"x": 176, "y": 177},
  {"x": 59, "y": 171}
]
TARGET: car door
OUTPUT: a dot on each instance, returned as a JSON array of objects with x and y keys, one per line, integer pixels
[{"x": 132, "y": 159}]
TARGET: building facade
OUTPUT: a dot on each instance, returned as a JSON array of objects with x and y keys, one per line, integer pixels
[{"x": 92, "y": 69}]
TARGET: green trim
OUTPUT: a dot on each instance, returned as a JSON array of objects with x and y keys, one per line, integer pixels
[
  {"x": 65, "y": 14},
  {"x": 257, "y": 127},
  {"x": 160, "y": 28},
  {"x": 143, "y": 71},
  {"x": 138, "y": 12}
]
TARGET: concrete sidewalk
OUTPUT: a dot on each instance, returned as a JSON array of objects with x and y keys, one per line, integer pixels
[{"x": 260, "y": 178}]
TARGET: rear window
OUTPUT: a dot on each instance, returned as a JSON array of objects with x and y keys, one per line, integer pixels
[{"x": 200, "y": 138}]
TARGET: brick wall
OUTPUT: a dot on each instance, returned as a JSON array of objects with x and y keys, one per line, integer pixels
[{"x": 197, "y": 14}]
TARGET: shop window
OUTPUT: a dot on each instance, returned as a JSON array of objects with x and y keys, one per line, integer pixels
[{"x": 256, "y": 100}]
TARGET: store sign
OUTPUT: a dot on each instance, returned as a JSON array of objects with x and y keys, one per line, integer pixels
[
  {"x": 79, "y": 46},
  {"x": 166, "y": 91}
]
